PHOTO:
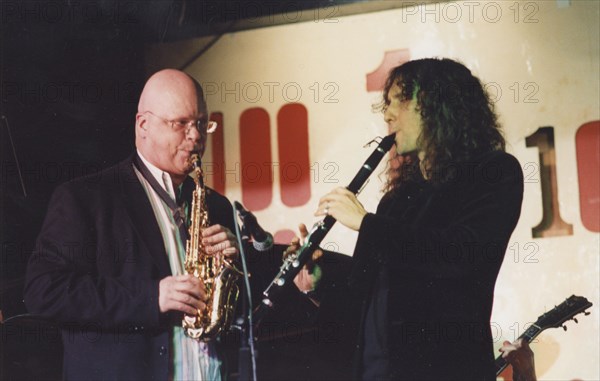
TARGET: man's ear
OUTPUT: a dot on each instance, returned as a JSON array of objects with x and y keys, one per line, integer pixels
[{"x": 140, "y": 121}]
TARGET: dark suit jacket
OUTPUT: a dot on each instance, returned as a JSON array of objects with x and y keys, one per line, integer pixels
[
  {"x": 442, "y": 248},
  {"x": 98, "y": 261}
]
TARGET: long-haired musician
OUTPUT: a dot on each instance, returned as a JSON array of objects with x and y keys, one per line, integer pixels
[{"x": 426, "y": 262}]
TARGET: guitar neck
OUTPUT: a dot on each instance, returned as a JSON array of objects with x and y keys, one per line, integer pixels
[{"x": 529, "y": 334}]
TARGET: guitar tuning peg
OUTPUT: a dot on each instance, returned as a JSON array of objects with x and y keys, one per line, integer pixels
[
  {"x": 575, "y": 320},
  {"x": 586, "y": 313},
  {"x": 564, "y": 327}
]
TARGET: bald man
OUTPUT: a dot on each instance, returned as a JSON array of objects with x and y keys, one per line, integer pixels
[{"x": 108, "y": 260}]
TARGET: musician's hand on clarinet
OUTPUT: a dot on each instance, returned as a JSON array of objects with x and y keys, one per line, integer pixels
[
  {"x": 310, "y": 274},
  {"x": 342, "y": 205}
]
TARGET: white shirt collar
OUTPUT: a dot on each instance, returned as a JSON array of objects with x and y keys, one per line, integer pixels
[{"x": 163, "y": 178}]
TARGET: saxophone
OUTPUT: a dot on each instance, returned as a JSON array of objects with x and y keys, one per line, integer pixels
[{"x": 218, "y": 275}]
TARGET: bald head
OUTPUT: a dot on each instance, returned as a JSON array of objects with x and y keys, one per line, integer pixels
[{"x": 168, "y": 88}]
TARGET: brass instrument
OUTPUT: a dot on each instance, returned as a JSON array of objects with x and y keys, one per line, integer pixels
[{"x": 217, "y": 274}]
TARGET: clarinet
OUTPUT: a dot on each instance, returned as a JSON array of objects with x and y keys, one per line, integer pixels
[{"x": 293, "y": 263}]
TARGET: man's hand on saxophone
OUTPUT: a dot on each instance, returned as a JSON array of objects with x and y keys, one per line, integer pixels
[
  {"x": 220, "y": 240},
  {"x": 186, "y": 293},
  {"x": 183, "y": 293}
]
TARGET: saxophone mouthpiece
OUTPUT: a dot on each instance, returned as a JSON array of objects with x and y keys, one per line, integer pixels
[{"x": 196, "y": 160}]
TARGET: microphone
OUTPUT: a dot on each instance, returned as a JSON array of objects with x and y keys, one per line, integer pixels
[{"x": 262, "y": 240}]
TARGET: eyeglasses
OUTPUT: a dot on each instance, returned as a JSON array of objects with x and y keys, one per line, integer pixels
[{"x": 202, "y": 125}]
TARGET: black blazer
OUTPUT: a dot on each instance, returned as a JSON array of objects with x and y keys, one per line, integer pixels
[
  {"x": 96, "y": 268},
  {"x": 442, "y": 248}
]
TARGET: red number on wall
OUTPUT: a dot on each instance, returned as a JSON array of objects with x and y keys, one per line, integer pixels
[
  {"x": 256, "y": 161},
  {"x": 587, "y": 143},
  {"x": 294, "y": 164}
]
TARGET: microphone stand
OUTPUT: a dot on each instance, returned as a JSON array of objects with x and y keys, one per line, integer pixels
[{"x": 244, "y": 353}]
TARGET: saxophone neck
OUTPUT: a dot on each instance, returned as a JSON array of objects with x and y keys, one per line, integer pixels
[{"x": 197, "y": 169}]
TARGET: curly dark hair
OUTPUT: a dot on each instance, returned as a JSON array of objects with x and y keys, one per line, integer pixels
[{"x": 459, "y": 122}]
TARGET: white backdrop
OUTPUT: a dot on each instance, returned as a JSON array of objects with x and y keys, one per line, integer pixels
[{"x": 539, "y": 59}]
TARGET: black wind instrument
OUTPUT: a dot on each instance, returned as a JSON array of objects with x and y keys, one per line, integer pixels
[{"x": 293, "y": 263}]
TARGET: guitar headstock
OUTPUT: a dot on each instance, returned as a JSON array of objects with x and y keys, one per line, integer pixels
[{"x": 572, "y": 306}]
